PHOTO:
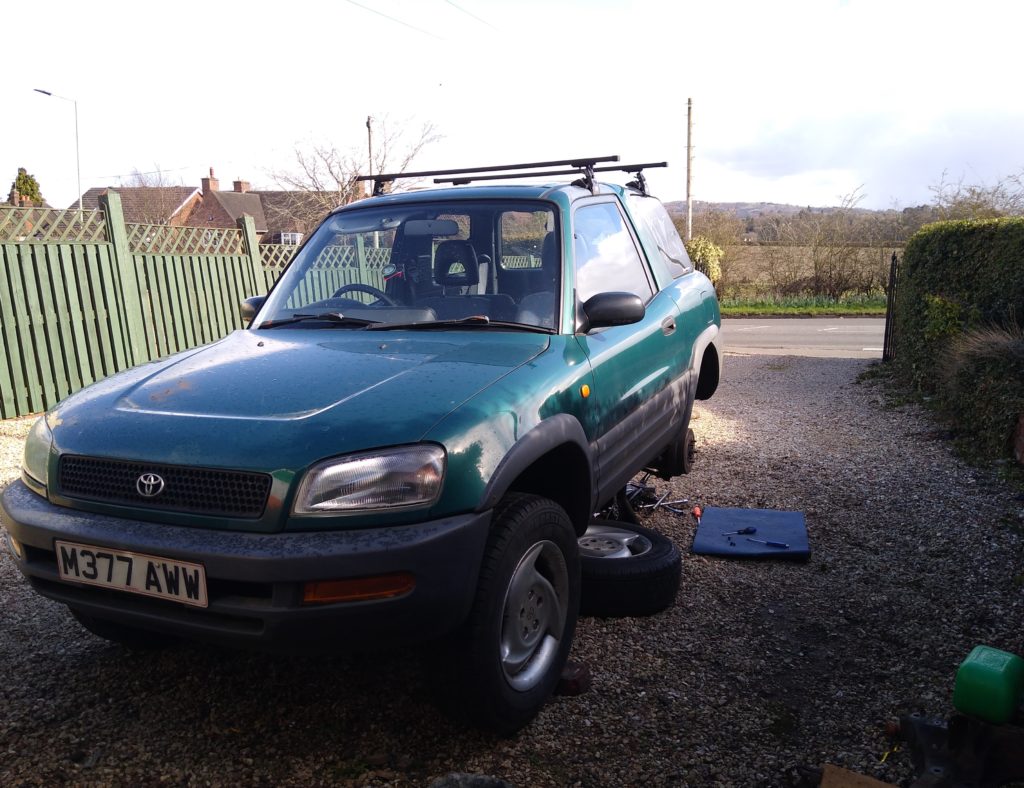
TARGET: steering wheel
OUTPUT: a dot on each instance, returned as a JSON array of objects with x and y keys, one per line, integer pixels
[{"x": 380, "y": 295}]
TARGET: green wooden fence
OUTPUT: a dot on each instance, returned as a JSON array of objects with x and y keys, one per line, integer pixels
[
  {"x": 83, "y": 295},
  {"x": 79, "y": 303}
]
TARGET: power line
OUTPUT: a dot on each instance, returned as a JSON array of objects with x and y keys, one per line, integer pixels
[
  {"x": 147, "y": 172},
  {"x": 393, "y": 19},
  {"x": 470, "y": 13}
]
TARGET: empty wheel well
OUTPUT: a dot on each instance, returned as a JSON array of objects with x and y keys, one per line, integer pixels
[
  {"x": 707, "y": 381},
  {"x": 563, "y": 476}
]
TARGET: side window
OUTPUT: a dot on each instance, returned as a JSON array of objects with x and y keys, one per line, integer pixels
[
  {"x": 650, "y": 213},
  {"x": 607, "y": 259}
]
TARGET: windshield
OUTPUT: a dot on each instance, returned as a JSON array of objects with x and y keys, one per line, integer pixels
[{"x": 489, "y": 263}]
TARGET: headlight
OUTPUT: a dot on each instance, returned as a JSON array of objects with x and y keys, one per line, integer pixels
[
  {"x": 37, "y": 451},
  {"x": 388, "y": 479}
]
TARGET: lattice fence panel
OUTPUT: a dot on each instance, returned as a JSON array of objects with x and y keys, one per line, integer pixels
[
  {"x": 378, "y": 257},
  {"x": 167, "y": 239},
  {"x": 520, "y": 261},
  {"x": 47, "y": 225},
  {"x": 348, "y": 256},
  {"x": 276, "y": 255}
]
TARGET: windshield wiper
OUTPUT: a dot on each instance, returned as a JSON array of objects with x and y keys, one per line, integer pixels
[
  {"x": 473, "y": 321},
  {"x": 334, "y": 318}
]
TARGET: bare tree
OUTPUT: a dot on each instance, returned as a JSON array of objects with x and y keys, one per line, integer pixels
[
  {"x": 325, "y": 177},
  {"x": 152, "y": 199},
  {"x": 829, "y": 244},
  {"x": 961, "y": 200}
]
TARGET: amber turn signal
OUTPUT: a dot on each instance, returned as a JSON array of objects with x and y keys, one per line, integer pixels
[
  {"x": 585, "y": 390},
  {"x": 359, "y": 589}
]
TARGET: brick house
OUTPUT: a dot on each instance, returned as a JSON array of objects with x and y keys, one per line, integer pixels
[
  {"x": 170, "y": 205},
  {"x": 224, "y": 209},
  {"x": 281, "y": 217}
]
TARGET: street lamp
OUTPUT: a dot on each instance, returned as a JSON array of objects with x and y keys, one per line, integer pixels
[{"x": 78, "y": 158}]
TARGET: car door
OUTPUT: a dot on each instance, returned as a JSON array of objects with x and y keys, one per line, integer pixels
[{"x": 637, "y": 399}]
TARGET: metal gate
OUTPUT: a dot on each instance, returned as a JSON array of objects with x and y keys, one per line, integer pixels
[{"x": 888, "y": 347}]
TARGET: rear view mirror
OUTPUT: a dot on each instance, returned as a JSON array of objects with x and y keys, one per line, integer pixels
[
  {"x": 432, "y": 227},
  {"x": 251, "y": 306}
]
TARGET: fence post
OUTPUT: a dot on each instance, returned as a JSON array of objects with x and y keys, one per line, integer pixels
[
  {"x": 124, "y": 264},
  {"x": 250, "y": 241}
]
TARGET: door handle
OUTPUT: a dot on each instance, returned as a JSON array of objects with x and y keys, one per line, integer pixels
[{"x": 668, "y": 326}]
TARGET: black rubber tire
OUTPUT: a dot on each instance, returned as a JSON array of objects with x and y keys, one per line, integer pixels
[
  {"x": 689, "y": 450},
  {"x": 641, "y": 585},
  {"x": 123, "y": 634},
  {"x": 678, "y": 456},
  {"x": 520, "y": 523}
]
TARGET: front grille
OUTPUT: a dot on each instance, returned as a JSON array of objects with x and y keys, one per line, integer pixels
[{"x": 186, "y": 489}]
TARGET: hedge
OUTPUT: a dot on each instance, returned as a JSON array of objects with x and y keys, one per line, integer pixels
[
  {"x": 958, "y": 313},
  {"x": 955, "y": 276}
]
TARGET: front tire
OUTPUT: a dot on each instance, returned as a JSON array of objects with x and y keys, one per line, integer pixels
[{"x": 517, "y": 639}]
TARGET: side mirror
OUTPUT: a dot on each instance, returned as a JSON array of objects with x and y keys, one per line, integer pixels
[
  {"x": 612, "y": 309},
  {"x": 251, "y": 306}
]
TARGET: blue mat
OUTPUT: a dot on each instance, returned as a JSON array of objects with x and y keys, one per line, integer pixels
[{"x": 772, "y": 526}]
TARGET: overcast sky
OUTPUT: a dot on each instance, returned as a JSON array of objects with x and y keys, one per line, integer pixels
[{"x": 797, "y": 101}]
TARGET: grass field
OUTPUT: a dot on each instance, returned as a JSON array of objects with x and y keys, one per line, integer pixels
[{"x": 804, "y": 305}]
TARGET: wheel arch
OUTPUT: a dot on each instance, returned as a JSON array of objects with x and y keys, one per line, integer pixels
[
  {"x": 710, "y": 370},
  {"x": 552, "y": 460}
]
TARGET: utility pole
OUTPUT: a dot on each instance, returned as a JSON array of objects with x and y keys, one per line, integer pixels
[
  {"x": 689, "y": 167},
  {"x": 369, "y": 144}
]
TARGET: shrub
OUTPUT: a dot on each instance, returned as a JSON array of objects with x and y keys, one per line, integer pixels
[
  {"x": 707, "y": 257},
  {"x": 955, "y": 276},
  {"x": 983, "y": 389}
]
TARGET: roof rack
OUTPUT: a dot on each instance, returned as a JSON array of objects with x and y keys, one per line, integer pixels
[{"x": 586, "y": 167}]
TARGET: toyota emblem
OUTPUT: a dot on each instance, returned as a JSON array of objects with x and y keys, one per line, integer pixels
[{"x": 149, "y": 485}]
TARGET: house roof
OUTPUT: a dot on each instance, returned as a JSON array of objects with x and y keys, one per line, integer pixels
[
  {"x": 237, "y": 203},
  {"x": 141, "y": 204}
]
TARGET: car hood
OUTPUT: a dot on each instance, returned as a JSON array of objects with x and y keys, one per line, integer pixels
[{"x": 286, "y": 397}]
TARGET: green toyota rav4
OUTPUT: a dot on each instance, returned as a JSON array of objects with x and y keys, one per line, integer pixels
[{"x": 404, "y": 445}]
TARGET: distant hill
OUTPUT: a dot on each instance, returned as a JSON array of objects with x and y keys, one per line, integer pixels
[{"x": 750, "y": 210}]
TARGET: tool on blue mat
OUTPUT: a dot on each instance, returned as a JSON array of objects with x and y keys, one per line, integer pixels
[
  {"x": 748, "y": 530},
  {"x": 783, "y": 545}
]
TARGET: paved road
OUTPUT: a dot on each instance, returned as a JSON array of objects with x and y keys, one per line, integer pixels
[{"x": 823, "y": 337}]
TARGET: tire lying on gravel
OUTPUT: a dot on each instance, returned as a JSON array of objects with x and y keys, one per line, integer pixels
[{"x": 627, "y": 570}]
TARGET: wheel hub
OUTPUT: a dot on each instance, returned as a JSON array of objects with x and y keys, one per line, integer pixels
[
  {"x": 534, "y": 615},
  {"x": 609, "y": 541}
]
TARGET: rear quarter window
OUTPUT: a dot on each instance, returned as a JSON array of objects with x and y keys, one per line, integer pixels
[{"x": 655, "y": 222}]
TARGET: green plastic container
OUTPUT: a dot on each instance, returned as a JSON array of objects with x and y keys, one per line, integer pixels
[{"x": 989, "y": 684}]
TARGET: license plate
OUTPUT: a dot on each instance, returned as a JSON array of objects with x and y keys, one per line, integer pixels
[{"x": 137, "y": 573}]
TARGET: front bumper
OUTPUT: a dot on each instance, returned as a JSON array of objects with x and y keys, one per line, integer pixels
[{"x": 255, "y": 581}]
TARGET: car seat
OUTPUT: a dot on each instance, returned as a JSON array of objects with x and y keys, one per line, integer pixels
[{"x": 539, "y": 308}]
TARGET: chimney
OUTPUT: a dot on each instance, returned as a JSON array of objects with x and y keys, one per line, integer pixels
[
  {"x": 211, "y": 184},
  {"x": 242, "y": 186}
]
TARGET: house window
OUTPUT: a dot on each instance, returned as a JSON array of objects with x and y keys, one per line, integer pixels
[{"x": 293, "y": 239}]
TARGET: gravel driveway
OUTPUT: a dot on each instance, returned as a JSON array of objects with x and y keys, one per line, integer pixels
[{"x": 758, "y": 669}]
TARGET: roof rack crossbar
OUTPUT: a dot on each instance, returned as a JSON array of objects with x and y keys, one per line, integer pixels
[
  {"x": 630, "y": 168},
  {"x": 463, "y": 180}
]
